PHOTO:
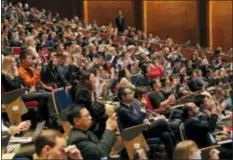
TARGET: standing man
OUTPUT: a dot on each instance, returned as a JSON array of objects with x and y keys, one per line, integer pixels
[{"x": 120, "y": 21}]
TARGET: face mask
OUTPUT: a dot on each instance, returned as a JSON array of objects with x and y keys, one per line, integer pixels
[{"x": 196, "y": 155}]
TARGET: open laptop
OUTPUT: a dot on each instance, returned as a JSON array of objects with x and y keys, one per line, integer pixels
[{"x": 36, "y": 133}]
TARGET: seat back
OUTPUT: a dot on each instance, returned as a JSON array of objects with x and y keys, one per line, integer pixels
[
  {"x": 61, "y": 100},
  {"x": 134, "y": 79},
  {"x": 133, "y": 135},
  {"x": 68, "y": 88},
  {"x": 14, "y": 105},
  {"x": 62, "y": 103},
  {"x": 205, "y": 152},
  {"x": 182, "y": 132},
  {"x": 17, "y": 51},
  {"x": 13, "y": 110}
]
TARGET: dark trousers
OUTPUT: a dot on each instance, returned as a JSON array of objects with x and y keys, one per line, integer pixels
[
  {"x": 160, "y": 129},
  {"x": 46, "y": 107}
]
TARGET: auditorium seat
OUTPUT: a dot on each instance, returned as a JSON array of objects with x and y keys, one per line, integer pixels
[
  {"x": 32, "y": 104},
  {"x": 62, "y": 102}
]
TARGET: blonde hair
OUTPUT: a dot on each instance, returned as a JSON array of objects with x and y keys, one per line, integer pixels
[
  {"x": 184, "y": 149},
  {"x": 30, "y": 41},
  {"x": 112, "y": 50},
  {"x": 75, "y": 50},
  {"x": 7, "y": 68}
]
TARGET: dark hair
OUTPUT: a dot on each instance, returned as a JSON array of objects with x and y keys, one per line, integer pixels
[
  {"x": 199, "y": 100},
  {"x": 121, "y": 74},
  {"x": 73, "y": 112},
  {"x": 153, "y": 81},
  {"x": 139, "y": 93},
  {"x": 24, "y": 55},
  {"x": 46, "y": 137},
  {"x": 121, "y": 92},
  {"x": 84, "y": 76},
  {"x": 186, "y": 110},
  {"x": 217, "y": 51},
  {"x": 143, "y": 67}
]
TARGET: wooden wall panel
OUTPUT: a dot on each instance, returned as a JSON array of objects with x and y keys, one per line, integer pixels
[
  {"x": 106, "y": 11},
  {"x": 177, "y": 19},
  {"x": 220, "y": 13}
]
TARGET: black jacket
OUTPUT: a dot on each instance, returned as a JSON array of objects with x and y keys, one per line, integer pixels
[
  {"x": 51, "y": 76},
  {"x": 196, "y": 84},
  {"x": 142, "y": 80},
  {"x": 89, "y": 145},
  {"x": 156, "y": 98},
  {"x": 120, "y": 21},
  {"x": 128, "y": 118},
  {"x": 199, "y": 130},
  {"x": 9, "y": 84}
]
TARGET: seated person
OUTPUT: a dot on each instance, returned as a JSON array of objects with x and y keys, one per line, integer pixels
[
  {"x": 202, "y": 135},
  {"x": 210, "y": 77},
  {"x": 156, "y": 98},
  {"x": 143, "y": 78},
  {"x": 51, "y": 144},
  {"x": 131, "y": 115},
  {"x": 196, "y": 82},
  {"x": 65, "y": 68},
  {"x": 51, "y": 76},
  {"x": 29, "y": 75},
  {"x": 88, "y": 143},
  {"x": 31, "y": 79},
  {"x": 188, "y": 150},
  {"x": 11, "y": 80},
  {"x": 82, "y": 92}
]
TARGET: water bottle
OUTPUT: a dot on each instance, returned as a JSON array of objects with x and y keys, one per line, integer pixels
[
  {"x": 140, "y": 153},
  {"x": 15, "y": 110}
]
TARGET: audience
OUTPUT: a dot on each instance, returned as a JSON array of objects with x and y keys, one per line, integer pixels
[{"x": 42, "y": 52}]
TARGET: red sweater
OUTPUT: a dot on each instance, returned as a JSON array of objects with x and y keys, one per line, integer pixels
[{"x": 156, "y": 71}]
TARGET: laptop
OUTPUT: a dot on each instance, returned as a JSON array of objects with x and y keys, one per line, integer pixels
[{"x": 36, "y": 133}]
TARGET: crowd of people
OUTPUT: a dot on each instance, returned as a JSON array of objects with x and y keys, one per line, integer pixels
[{"x": 103, "y": 65}]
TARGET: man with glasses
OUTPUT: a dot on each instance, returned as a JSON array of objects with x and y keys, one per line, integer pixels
[
  {"x": 130, "y": 115},
  {"x": 88, "y": 143}
]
